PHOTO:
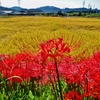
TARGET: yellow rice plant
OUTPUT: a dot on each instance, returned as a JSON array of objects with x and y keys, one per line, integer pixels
[{"x": 19, "y": 33}]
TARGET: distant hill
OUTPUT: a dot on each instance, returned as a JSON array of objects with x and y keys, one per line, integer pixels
[
  {"x": 46, "y": 9},
  {"x": 75, "y": 9},
  {"x": 49, "y": 9},
  {"x": 16, "y": 8},
  {"x": 56, "y": 9},
  {"x": 35, "y": 10},
  {"x": 4, "y": 8}
]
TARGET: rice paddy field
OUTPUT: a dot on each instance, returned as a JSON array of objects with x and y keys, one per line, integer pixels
[{"x": 17, "y": 33}]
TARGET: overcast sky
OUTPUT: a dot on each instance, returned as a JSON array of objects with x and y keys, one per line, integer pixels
[{"x": 57, "y": 3}]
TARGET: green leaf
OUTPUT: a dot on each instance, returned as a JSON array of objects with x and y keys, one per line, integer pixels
[
  {"x": 1, "y": 97},
  {"x": 31, "y": 95}
]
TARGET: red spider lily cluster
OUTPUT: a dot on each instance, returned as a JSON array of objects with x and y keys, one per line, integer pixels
[{"x": 83, "y": 77}]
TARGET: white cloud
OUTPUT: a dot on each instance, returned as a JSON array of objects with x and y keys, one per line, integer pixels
[
  {"x": 57, "y": 3},
  {"x": 38, "y": 3}
]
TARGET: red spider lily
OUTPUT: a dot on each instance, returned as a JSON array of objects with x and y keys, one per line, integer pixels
[
  {"x": 53, "y": 48},
  {"x": 90, "y": 76},
  {"x": 21, "y": 65},
  {"x": 85, "y": 73},
  {"x": 69, "y": 70},
  {"x": 49, "y": 73},
  {"x": 73, "y": 95}
]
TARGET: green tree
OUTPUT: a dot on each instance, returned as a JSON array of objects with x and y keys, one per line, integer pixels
[{"x": 60, "y": 13}]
